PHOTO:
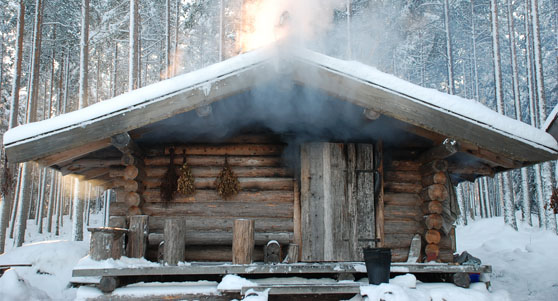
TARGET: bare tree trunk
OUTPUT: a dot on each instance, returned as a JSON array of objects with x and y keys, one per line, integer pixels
[
  {"x": 77, "y": 222},
  {"x": 84, "y": 55},
  {"x": 66, "y": 81},
  {"x": 42, "y": 190},
  {"x": 114, "y": 71},
  {"x": 461, "y": 202},
  {"x": 6, "y": 201},
  {"x": 51, "y": 199},
  {"x": 349, "y": 38},
  {"x": 176, "y": 26},
  {"x": 167, "y": 65},
  {"x": 133, "y": 62},
  {"x": 451, "y": 82},
  {"x": 59, "y": 204}
]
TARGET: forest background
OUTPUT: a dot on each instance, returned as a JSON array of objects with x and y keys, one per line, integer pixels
[{"x": 61, "y": 55}]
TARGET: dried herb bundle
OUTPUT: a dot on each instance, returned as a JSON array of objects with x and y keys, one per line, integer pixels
[
  {"x": 227, "y": 182},
  {"x": 186, "y": 179},
  {"x": 168, "y": 185}
]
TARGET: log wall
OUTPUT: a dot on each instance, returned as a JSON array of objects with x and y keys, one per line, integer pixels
[
  {"x": 406, "y": 211},
  {"x": 266, "y": 196}
]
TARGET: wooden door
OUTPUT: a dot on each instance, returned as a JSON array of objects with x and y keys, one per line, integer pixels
[{"x": 337, "y": 201}]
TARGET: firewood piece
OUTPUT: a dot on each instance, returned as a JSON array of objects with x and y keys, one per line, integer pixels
[
  {"x": 432, "y": 252},
  {"x": 243, "y": 241},
  {"x": 435, "y": 192},
  {"x": 108, "y": 284},
  {"x": 434, "y": 221},
  {"x": 137, "y": 236},
  {"x": 175, "y": 242},
  {"x": 439, "y": 152},
  {"x": 434, "y": 167},
  {"x": 432, "y": 236},
  {"x": 106, "y": 242},
  {"x": 272, "y": 252},
  {"x": 436, "y": 178},
  {"x": 292, "y": 254},
  {"x": 432, "y": 207}
]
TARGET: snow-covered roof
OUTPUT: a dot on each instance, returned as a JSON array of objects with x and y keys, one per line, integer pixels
[{"x": 452, "y": 116}]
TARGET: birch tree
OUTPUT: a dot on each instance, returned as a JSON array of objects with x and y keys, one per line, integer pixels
[
  {"x": 6, "y": 201},
  {"x": 504, "y": 181},
  {"x": 134, "y": 58},
  {"x": 451, "y": 82}
]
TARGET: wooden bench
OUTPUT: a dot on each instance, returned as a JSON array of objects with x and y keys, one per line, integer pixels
[{"x": 5, "y": 267}]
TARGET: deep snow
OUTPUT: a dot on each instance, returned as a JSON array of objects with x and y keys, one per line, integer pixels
[{"x": 524, "y": 268}]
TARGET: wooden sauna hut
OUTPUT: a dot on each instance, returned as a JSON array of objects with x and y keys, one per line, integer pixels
[{"x": 330, "y": 155}]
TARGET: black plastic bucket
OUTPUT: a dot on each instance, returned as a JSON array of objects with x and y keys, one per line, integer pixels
[{"x": 378, "y": 262}]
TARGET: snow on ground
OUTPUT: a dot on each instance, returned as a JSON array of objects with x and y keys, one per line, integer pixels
[
  {"x": 524, "y": 268},
  {"x": 524, "y": 263}
]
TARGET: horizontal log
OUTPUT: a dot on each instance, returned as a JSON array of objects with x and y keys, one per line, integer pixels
[
  {"x": 401, "y": 226},
  {"x": 436, "y": 178},
  {"x": 439, "y": 152},
  {"x": 475, "y": 169},
  {"x": 432, "y": 251},
  {"x": 432, "y": 236},
  {"x": 83, "y": 164},
  {"x": 402, "y": 199},
  {"x": 208, "y": 253},
  {"x": 411, "y": 212},
  {"x": 403, "y": 165},
  {"x": 131, "y": 172},
  {"x": 270, "y": 197},
  {"x": 435, "y": 192},
  {"x": 212, "y": 172},
  {"x": 203, "y": 223},
  {"x": 434, "y": 167},
  {"x": 399, "y": 254},
  {"x": 223, "y": 238},
  {"x": 434, "y": 221},
  {"x": 250, "y": 161},
  {"x": 402, "y": 187},
  {"x": 126, "y": 185},
  {"x": 94, "y": 173},
  {"x": 231, "y": 150},
  {"x": 432, "y": 207},
  {"x": 134, "y": 210},
  {"x": 210, "y": 209},
  {"x": 133, "y": 199},
  {"x": 401, "y": 240},
  {"x": 245, "y": 183},
  {"x": 402, "y": 176}
]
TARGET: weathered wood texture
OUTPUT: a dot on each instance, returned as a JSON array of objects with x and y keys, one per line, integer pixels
[
  {"x": 106, "y": 243},
  {"x": 267, "y": 192},
  {"x": 175, "y": 242},
  {"x": 243, "y": 241},
  {"x": 137, "y": 236},
  {"x": 272, "y": 252},
  {"x": 337, "y": 201},
  {"x": 402, "y": 206}
]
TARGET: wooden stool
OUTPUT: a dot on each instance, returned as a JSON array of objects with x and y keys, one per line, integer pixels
[{"x": 106, "y": 242}]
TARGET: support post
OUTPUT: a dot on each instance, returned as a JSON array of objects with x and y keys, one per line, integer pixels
[
  {"x": 175, "y": 241},
  {"x": 243, "y": 241},
  {"x": 137, "y": 236}
]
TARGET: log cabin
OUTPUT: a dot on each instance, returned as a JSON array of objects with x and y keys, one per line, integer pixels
[{"x": 330, "y": 156}]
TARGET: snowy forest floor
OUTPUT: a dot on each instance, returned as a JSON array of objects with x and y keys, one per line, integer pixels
[{"x": 524, "y": 268}]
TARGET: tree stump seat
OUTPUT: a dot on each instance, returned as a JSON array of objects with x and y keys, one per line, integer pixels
[{"x": 106, "y": 242}]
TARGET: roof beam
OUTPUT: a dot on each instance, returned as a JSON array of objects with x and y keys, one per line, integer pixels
[{"x": 444, "y": 150}]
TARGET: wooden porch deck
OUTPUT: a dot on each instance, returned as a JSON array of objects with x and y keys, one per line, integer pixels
[{"x": 221, "y": 268}]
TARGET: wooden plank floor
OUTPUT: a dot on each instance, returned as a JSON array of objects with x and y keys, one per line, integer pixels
[{"x": 266, "y": 269}]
